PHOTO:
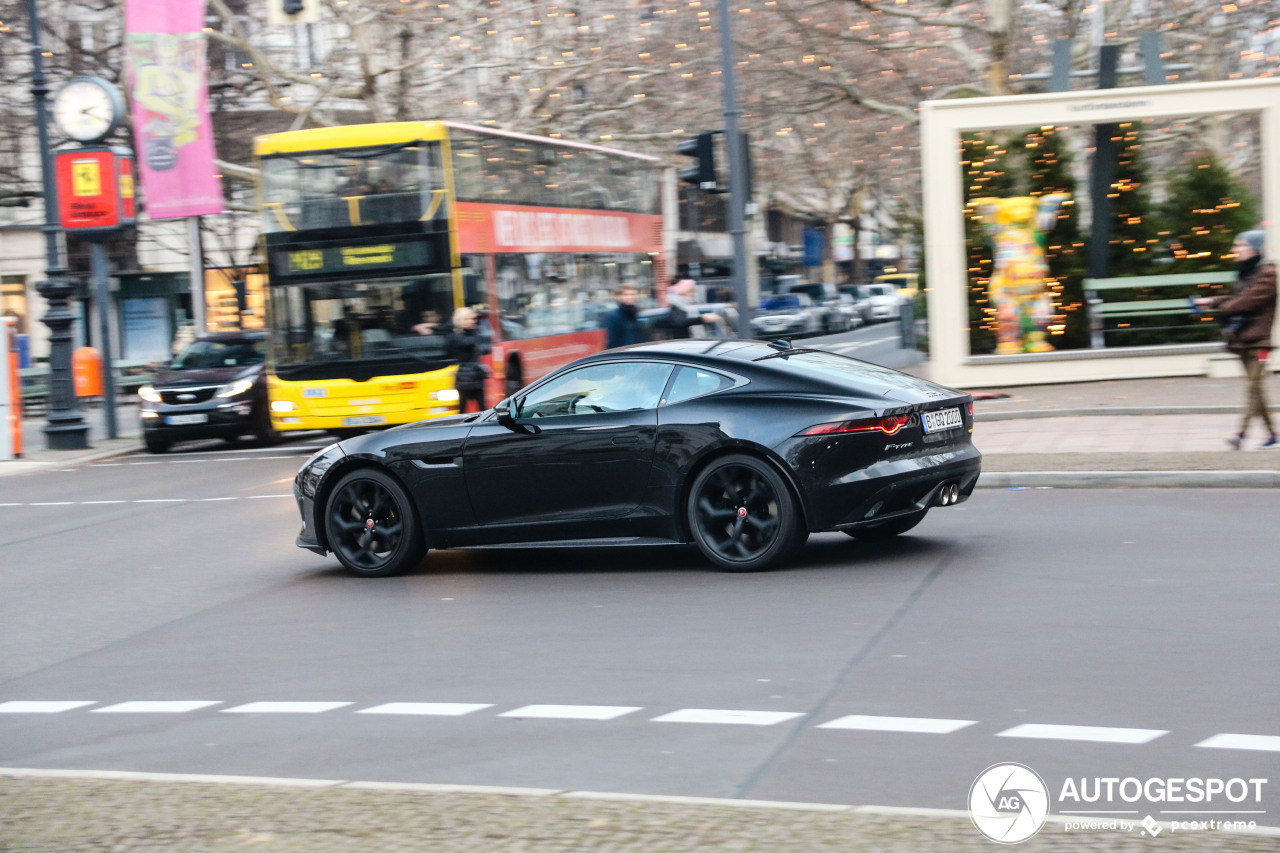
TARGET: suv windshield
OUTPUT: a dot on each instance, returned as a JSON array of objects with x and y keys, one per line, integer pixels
[
  {"x": 202, "y": 355},
  {"x": 779, "y": 303}
]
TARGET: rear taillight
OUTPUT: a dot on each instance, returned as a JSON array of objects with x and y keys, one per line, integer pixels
[
  {"x": 889, "y": 425},
  {"x": 971, "y": 409}
]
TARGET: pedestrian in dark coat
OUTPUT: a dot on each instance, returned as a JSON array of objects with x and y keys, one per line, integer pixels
[
  {"x": 465, "y": 347},
  {"x": 1246, "y": 316},
  {"x": 622, "y": 324},
  {"x": 683, "y": 318}
]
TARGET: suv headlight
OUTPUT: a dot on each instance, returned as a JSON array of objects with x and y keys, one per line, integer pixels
[
  {"x": 237, "y": 387},
  {"x": 150, "y": 394}
]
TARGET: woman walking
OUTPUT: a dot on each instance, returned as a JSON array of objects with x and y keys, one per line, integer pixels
[
  {"x": 465, "y": 347},
  {"x": 1246, "y": 316}
]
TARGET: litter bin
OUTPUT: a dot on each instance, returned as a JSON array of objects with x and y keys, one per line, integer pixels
[
  {"x": 907, "y": 324},
  {"x": 86, "y": 372}
]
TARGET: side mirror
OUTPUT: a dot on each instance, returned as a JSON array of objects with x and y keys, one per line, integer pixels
[{"x": 503, "y": 411}]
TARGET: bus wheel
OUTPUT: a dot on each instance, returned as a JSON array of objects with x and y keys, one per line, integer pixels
[{"x": 515, "y": 378}]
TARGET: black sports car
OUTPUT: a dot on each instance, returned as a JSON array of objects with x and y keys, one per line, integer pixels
[{"x": 741, "y": 447}]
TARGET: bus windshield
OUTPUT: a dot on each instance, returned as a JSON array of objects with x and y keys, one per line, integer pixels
[
  {"x": 396, "y": 324},
  {"x": 356, "y": 186}
]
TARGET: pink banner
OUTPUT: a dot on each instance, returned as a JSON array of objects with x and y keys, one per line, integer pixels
[{"x": 168, "y": 88}]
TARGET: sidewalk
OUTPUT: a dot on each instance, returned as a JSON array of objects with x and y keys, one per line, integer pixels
[{"x": 37, "y": 457}]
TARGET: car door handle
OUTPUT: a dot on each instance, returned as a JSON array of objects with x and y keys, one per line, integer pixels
[{"x": 626, "y": 439}]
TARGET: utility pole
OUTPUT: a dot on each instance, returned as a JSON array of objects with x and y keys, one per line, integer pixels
[
  {"x": 737, "y": 175},
  {"x": 66, "y": 429}
]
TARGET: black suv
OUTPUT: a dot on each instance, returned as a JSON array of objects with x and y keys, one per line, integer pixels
[{"x": 215, "y": 388}]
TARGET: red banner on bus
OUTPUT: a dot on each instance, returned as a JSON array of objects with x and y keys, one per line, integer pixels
[{"x": 508, "y": 228}]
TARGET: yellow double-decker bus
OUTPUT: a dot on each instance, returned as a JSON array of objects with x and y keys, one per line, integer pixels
[{"x": 376, "y": 233}]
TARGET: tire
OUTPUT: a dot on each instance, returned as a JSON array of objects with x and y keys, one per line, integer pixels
[
  {"x": 743, "y": 516},
  {"x": 264, "y": 432},
  {"x": 155, "y": 445},
  {"x": 888, "y": 530},
  {"x": 371, "y": 525}
]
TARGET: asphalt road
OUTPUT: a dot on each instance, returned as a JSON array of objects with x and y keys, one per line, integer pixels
[{"x": 1143, "y": 621}]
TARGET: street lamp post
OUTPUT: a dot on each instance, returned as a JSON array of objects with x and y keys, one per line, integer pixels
[
  {"x": 737, "y": 174},
  {"x": 66, "y": 429}
]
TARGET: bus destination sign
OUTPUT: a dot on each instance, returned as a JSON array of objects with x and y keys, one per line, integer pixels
[{"x": 330, "y": 259}]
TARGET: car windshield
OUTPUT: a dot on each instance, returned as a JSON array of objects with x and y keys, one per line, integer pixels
[
  {"x": 882, "y": 290},
  {"x": 779, "y": 303},
  {"x": 201, "y": 355}
]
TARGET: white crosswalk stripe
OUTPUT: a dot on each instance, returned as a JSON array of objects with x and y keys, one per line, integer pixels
[
  {"x": 917, "y": 725},
  {"x": 1098, "y": 734},
  {"x": 570, "y": 712}
]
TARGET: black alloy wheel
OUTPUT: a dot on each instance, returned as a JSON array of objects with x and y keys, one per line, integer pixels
[
  {"x": 888, "y": 529},
  {"x": 742, "y": 515},
  {"x": 371, "y": 525}
]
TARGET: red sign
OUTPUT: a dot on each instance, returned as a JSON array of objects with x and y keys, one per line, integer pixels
[
  {"x": 95, "y": 188},
  {"x": 508, "y": 228}
]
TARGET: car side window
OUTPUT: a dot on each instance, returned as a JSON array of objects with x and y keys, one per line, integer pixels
[
  {"x": 625, "y": 386},
  {"x": 693, "y": 382}
]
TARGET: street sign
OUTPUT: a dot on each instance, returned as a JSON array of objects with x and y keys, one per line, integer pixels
[{"x": 95, "y": 189}]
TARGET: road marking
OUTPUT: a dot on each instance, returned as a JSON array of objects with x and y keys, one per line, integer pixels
[
  {"x": 146, "y": 501},
  {"x": 917, "y": 725},
  {"x": 1099, "y": 734},
  {"x": 1261, "y": 743},
  {"x": 25, "y": 707},
  {"x": 156, "y": 707},
  {"x": 428, "y": 709},
  {"x": 285, "y": 707},
  {"x": 570, "y": 712},
  {"x": 741, "y": 718}
]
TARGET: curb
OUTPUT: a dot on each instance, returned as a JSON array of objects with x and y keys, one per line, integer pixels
[
  {"x": 38, "y": 461},
  {"x": 1031, "y": 414},
  {"x": 423, "y": 787},
  {"x": 1129, "y": 479}
]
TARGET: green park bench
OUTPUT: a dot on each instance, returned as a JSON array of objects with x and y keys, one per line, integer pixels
[{"x": 1101, "y": 309}]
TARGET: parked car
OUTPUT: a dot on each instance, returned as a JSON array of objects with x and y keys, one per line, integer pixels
[
  {"x": 826, "y": 301},
  {"x": 906, "y": 283},
  {"x": 215, "y": 388},
  {"x": 861, "y": 296},
  {"x": 792, "y": 315},
  {"x": 741, "y": 448},
  {"x": 849, "y": 310},
  {"x": 885, "y": 302}
]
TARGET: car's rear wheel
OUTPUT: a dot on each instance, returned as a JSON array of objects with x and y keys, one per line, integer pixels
[
  {"x": 742, "y": 515},
  {"x": 371, "y": 525},
  {"x": 888, "y": 529}
]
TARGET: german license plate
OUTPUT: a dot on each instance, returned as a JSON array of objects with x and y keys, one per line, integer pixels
[
  {"x": 184, "y": 420},
  {"x": 941, "y": 420},
  {"x": 364, "y": 420}
]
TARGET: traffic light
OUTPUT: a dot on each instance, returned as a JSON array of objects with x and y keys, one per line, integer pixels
[
  {"x": 281, "y": 12},
  {"x": 293, "y": 7},
  {"x": 703, "y": 175}
]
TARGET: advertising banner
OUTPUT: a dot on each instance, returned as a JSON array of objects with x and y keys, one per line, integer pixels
[{"x": 168, "y": 88}]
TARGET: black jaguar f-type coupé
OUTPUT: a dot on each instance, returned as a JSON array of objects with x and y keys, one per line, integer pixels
[{"x": 740, "y": 447}]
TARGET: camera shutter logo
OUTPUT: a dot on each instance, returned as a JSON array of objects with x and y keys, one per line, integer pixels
[{"x": 1008, "y": 803}]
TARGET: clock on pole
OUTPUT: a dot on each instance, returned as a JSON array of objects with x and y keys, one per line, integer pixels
[{"x": 88, "y": 109}]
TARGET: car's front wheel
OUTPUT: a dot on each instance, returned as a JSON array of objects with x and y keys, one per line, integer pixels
[
  {"x": 371, "y": 525},
  {"x": 155, "y": 445},
  {"x": 888, "y": 529},
  {"x": 742, "y": 515}
]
